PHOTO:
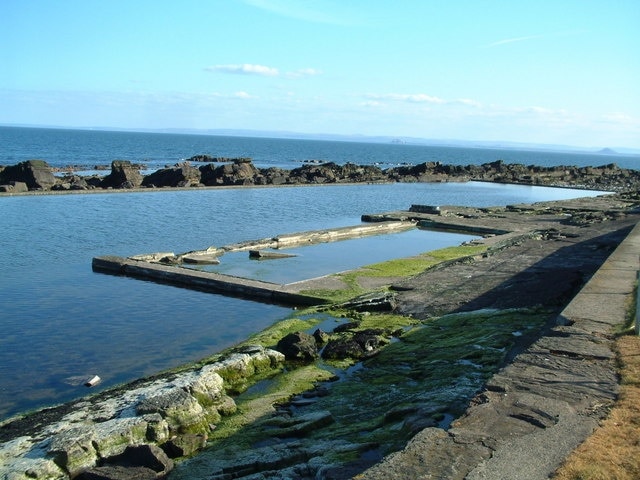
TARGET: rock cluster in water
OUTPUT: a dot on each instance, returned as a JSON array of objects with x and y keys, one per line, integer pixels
[{"x": 37, "y": 175}]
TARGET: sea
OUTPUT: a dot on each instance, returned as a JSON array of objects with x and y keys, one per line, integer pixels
[{"x": 61, "y": 323}]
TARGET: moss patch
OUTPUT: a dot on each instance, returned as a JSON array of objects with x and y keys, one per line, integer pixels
[{"x": 398, "y": 268}]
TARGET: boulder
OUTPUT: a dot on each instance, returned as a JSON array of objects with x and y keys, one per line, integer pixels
[
  {"x": 273, "y": 176},
  {"x": 342, "y": 348},
  {"x": 36, "y": 174},
  {"x": 240, "y": 172},
  {"x": 182, "y": 175},
  {"x": 181, "y": 411},
  {"x": 298, "y": 346},
  {"x": 123, "y": 175},
  {"x": 71, "y": 182},
  {"x": 362, "y": 345}
]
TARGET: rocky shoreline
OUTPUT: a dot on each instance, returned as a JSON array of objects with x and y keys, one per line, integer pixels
[
  {"x": 282, "y": 405},
  {"x": 37, "y": 176}
]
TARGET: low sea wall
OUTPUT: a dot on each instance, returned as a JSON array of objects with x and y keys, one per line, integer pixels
[{"x": 166, "y": 267}]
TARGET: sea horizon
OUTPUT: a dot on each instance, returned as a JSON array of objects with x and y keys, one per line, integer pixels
[{"x": 353, "y": 138}]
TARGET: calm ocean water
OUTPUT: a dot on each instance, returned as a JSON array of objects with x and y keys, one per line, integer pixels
[
  {"x": 92, "y": 147},
  {"x": 61, "y": 322}
]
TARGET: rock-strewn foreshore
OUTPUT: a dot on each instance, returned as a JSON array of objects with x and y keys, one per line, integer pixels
[
  {"x": 132, "y": 432},
  {"x": 38, "y": 176}
]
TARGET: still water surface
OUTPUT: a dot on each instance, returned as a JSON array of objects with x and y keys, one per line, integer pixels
[{"x": 61, "y": 322}]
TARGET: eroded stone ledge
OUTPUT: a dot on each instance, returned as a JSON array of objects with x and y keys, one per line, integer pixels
[{"x": 174, "y": 412}]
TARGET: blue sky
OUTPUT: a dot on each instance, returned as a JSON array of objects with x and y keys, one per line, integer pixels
[{"x": 544, "y": 71}]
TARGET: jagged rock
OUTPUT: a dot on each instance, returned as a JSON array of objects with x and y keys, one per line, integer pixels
[
  {"x": 298, "y": 346},
  {"x": 181, "y": 410},
  {"x": 242, "y": 364},
  {"x": 73, "y": 449},
  {"x": 210, "y": 158},
  {"x": 321, "y": 337},
  {"x": 123, "y": 175},
  {"x": 182, "y": 175},
  {"x": 36, "y": 174},
  {"x": 71, "y": 182},
  {"x": 273, "y": 176},
  {"x": 341, "y": 349},
  {"x": 113, "y": 436},
  {"x": 361, "y": 345},
  {"x": 240, "y": 172}
]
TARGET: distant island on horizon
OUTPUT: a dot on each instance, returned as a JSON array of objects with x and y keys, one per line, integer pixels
[{"x": 396, "y": 140}]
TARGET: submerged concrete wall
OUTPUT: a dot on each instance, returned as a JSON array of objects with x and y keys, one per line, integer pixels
[
  {"x": 164, "y": 267},
  {"x": 208, "y": 281}
]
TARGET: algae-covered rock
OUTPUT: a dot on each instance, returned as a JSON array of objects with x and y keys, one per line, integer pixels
[
  {"x": 73, "y": 449},
  {"x": 239, "y": 366},
  {"x": 299, "y": 346},
  {"x": 184, "y": 445},
  {"x": 114, "y": 436},
  {"x": 181, "y": 410},
  {"x": 24, "y": 459}
]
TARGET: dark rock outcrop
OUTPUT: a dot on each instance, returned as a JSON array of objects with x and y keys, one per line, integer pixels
[
  {"x": 123, "y": 175},
  {"x": 36, "y": 174},
  {"x": 298, "y": 346},
  {"x": 205, "y": 158},
  {"x": 182, "y": 175},
  {"x": 240, "y": 172},
  {"x": 362, "y": 345}
]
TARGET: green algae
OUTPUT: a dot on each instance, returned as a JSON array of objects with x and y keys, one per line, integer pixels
[
  {"x": 394, "y": 269},
  {"x": 256, "y": 405},
  {"x": 423, "y": 379},
  {"x": 406, "y": 267}
]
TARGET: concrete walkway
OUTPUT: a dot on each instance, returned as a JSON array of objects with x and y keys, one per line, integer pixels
[{"x": 537, "y": 409}]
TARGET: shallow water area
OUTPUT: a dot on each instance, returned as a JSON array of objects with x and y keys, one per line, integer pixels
[{"x": 325, "y": 258}]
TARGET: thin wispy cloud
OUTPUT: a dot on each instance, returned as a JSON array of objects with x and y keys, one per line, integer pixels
[
  {"x": 303, "y": 72},
  {"x": 374, "y": 99},
  {"x": 532, "y": 37},
  {"x": 316, "y": 12},
  {"x": 513, "y": 40},
  {"x": 261, "y": 70},
  {"x": 406, "y": 97},
  {"x": 245, "y": 69}
]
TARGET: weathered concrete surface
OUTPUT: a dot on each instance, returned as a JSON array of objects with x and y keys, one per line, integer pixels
[
  {"x": 207, "y": 281},
  {"x": 544, "y": 403},
  {"x": 162, "y": 267}
]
